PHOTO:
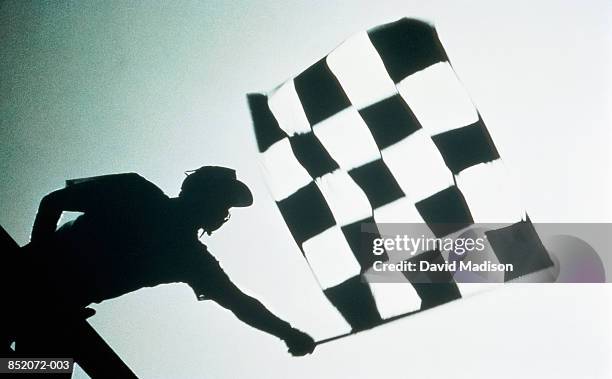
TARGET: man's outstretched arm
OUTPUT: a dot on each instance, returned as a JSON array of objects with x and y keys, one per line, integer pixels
[{"x": 217, "y": 286}]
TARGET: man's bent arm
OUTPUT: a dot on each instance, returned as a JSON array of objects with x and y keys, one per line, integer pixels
[
  {"x": 49, "y": 211},
  {"x": 85, "y": 194}
]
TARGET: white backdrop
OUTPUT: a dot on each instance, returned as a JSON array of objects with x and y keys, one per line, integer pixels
[{"x": 159, "y": 87}]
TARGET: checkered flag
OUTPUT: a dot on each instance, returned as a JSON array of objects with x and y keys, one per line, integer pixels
[{"x": 380, "y": 131}]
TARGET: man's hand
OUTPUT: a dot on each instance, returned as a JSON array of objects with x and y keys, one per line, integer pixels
[{"x": 299, "y": 343}]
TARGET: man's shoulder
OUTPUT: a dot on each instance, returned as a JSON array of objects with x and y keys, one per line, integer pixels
[
  {"x": 126, "y": 177},
  {"x": 126, "y": 181},
  {"x": 126, "y": 190}
]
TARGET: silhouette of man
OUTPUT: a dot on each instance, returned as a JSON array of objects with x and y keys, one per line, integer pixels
[{"x": 131, "y": 235}]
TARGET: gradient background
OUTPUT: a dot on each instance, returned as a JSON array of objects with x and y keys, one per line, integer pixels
[{"x": 158, "y": 87}]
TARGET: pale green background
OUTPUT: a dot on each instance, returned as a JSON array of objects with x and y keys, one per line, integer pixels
[{"x": 157, "y": 87}]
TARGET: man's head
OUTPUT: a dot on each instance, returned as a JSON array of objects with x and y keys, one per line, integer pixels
[{"x": 209, "y": 192}]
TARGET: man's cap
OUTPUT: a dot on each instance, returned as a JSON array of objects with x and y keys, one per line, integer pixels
[{"x": 220, "y": 178}]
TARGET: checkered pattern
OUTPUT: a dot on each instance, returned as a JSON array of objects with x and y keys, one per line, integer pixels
[{"x": 379, "y": 131}]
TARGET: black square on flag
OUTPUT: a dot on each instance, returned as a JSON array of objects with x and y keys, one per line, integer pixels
[
  {"x": 465, "y": 147},
  {"x": 445, "y": 212},
  {"x": 306, "y": 213},
  {"x": 361, "y": 242},
  {"x": 320, "y": 93},
  {"x": 267, "y": 130},
  {"x": 407, "y": 46},
  {"x": 390, "y": 121},
  {"x": 354, "y": 300},
  {"x": 377, "y": 182},
  {"x": 312, "y": 155},
  {"x": 519, "y": 245}
]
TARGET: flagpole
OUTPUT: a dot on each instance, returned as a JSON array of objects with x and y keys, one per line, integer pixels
[{"x": 383, "y": 322}]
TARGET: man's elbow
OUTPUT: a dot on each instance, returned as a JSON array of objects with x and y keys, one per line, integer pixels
[
  {"x": 46, "y": 217},
  {"x": 48, "y": 202}
]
